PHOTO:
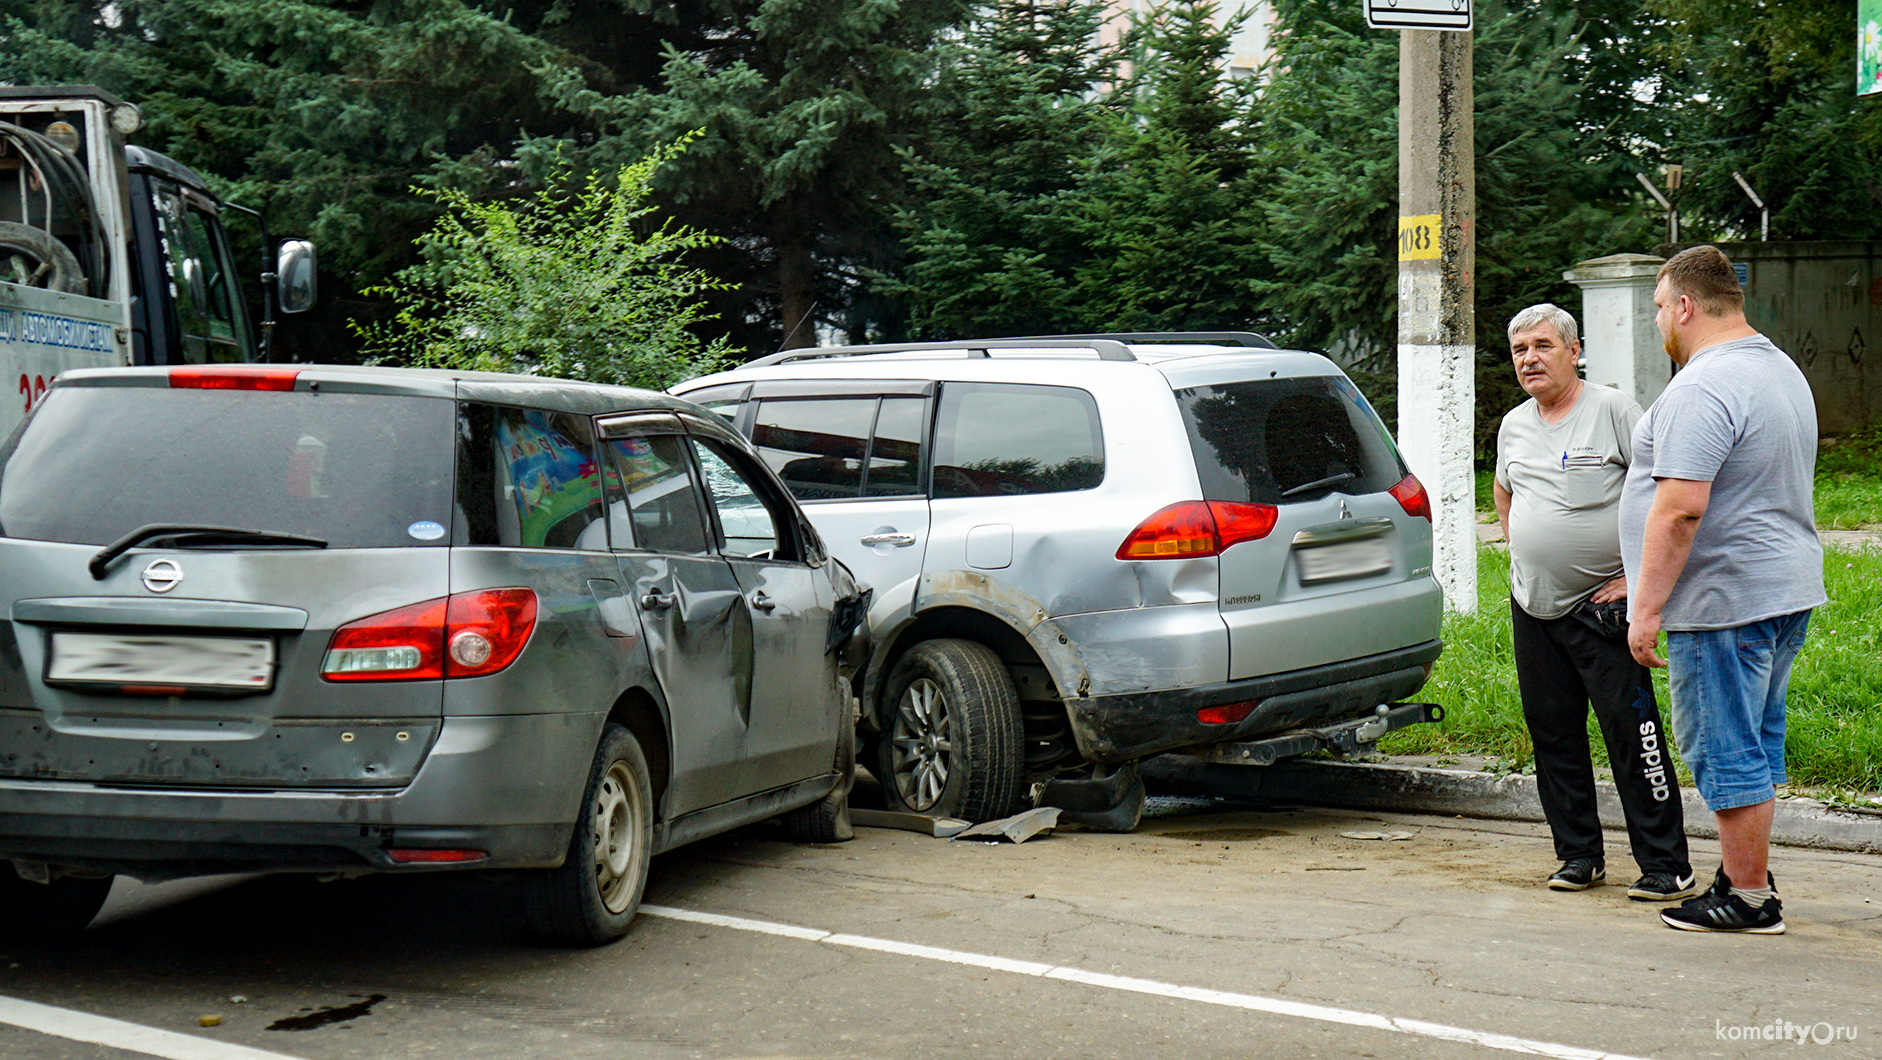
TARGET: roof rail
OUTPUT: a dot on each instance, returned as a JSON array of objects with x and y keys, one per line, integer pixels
[
  {"x": 1217, "y": 338},
  {"x": 1107, "y": 347}
]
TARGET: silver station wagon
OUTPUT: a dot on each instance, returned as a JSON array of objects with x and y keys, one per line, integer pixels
[
  {"x": 348, "y": 620},
  {"x": 1086, "y": 550}
]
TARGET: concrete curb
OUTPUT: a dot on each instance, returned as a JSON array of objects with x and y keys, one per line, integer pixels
[{"x": 1799, "y": 822}]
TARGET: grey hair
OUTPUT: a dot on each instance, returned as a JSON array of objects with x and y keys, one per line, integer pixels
[{"x": 1546, "y": 313}]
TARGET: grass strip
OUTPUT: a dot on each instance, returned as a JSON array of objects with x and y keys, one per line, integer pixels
[{"x": 1834, "y": 738}]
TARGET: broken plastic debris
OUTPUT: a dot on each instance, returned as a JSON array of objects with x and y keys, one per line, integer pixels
[
  {"x": 1389, "y": 836},
  {"x": 237, "y": 999},
  {"x": 209, "y": 1021},
  {"x": 1018, "y": 828},
  {"x": 939, "y": 827}
]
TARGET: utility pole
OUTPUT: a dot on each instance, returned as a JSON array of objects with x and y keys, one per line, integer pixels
[{"x": 1437, "y": 315}]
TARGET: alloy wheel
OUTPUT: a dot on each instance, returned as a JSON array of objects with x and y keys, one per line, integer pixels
[{"x": 921, "y": 747}]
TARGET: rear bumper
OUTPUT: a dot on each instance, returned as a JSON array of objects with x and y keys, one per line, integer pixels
[
  {"x": 507, "y": 785},
  {"x": 1119, "y": 728}
]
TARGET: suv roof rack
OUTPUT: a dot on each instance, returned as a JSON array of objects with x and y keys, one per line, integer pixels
[
  {"x": 1109, "y": 346},
  {"x": 1250, "y": 339}
]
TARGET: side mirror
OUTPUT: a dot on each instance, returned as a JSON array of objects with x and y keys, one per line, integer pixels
[{"x": 294, "y": 276}]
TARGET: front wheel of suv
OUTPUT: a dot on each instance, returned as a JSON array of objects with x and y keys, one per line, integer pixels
[{"x": 953, "y": 744}]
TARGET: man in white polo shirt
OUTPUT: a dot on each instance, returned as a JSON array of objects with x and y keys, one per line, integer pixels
[{"x": 1562, "y": 457}]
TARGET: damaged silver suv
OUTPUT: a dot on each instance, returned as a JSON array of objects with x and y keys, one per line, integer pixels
[
  {"x": 348, "y": 620},
  {"x": 1086, "y": 550}
]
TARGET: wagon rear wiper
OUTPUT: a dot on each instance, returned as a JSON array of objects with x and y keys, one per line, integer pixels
[{"x": 193, "y": 535}]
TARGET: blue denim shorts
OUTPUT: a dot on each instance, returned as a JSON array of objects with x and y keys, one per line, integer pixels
[{"x": 1728, "y": 706}]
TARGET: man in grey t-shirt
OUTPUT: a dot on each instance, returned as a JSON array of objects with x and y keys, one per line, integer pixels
[
  {"x": 1560, "y": 460},
  {"x": 1721, "y": 551}
]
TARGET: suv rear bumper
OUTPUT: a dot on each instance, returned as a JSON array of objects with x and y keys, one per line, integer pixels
[
  {"x": 1123, "y": 727},
  {"x": 505, "y": 785}
]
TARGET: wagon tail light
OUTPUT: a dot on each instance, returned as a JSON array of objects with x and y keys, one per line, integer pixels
[
  {"x": 1188, "y": 529},
  {"x": 1411, "y": 496},
  {"x": 233, "y": 378},
  {"x": 461, "y": 635}
]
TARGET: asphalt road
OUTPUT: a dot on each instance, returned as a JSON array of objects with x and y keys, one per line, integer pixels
[{"x": 1212, "y": 931}]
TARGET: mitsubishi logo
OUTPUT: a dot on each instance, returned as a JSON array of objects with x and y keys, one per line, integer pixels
[
  {"x": 162, "y": 576},
  {"x": 1344, "y": 514}
]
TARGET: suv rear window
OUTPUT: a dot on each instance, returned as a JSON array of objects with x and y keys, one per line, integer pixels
[
  {"x": 1276, "y": 441},
  {"x": 355, "y": 470}
]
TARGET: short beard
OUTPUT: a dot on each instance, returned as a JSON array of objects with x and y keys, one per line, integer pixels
[{"x": 1671, "y": 342}]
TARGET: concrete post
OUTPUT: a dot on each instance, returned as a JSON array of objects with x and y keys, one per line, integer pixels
[
  {"x": 1437, "y": 319},
  {"x": 1619, "y": 340}
]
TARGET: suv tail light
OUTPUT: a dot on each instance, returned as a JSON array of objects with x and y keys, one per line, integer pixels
[
  {"x": 233, "y": 378},
  {"x": 1411, "y": 496},
  {"x": 461, "y": 635},
  {"x": 1188, "y": 529}
]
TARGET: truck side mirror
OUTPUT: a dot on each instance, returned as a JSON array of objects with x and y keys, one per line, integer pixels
[{"x": 294, "y": 272}]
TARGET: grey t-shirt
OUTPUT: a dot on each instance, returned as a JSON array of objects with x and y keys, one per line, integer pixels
[
  {"x": 1740, "y": 416},
  {"x": 1564, "y": 481}
]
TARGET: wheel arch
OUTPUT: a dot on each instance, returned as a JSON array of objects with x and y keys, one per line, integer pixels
[{"x": 642, "y": 715}]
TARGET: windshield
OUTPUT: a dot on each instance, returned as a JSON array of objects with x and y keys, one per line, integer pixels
[{"x": 354, "y": 470}]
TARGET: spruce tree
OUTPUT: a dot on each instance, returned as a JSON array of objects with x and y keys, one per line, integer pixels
[{"x": 992, "y": 226}]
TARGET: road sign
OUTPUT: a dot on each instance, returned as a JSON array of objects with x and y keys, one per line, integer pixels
[{"x": 1418, "y": 14}]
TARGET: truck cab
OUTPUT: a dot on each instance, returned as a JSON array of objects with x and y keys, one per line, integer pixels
[{"x": 116, "y": 255}]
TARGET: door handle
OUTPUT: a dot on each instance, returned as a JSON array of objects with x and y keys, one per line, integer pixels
[
  {"x": 655, "y": 601},
  {"x": 898, "y": 540},
  {"x": 762, "y": 602}
]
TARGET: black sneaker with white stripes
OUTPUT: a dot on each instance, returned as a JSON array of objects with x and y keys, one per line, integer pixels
[
  {"x": 1663, "y": 887},
  {"x": 1720, "y": 910}
]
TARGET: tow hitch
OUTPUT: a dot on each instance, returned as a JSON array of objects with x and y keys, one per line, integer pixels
[{"x": 1346, "y": 739}]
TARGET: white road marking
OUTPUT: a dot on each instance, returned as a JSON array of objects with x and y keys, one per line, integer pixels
[
  {"x": 117, "y": 1034},
  {"x": 1252, "y": 1002}
]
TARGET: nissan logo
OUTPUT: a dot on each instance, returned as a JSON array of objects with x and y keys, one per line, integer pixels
[{"x": 162, "y": 575}]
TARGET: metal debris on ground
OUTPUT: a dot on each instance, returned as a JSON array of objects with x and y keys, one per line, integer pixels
[{"x": 1018, "y": 828}]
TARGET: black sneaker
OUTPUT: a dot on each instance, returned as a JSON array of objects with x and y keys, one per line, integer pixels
[
  {"x": 1725, "y": 911},
  {"x": 1663, "y": 887},
  {"x": 1578, "y": 874}
]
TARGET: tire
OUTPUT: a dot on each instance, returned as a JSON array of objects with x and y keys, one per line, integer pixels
[
  {"x": 828, "y": 819},
  {"x": 63, "y": 907},
  {"x": 590, "y": 900},
  {"x": 53, "y": 266},
  {"x": 953, "y": 741}
]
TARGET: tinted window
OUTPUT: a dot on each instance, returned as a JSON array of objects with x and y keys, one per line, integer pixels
[
  {"x": 1273, "y": 441},
  {"x": 665, "y": 511},
  {"x": 895, "y": 451},
  {"x": 207, "y": 300},
  {"x": 355, "y": 470},
  {"x": 995, "y": 439},
  {"x": 816, "y": 447},
  {"x": 528, "y": 479},
  {"x": 749, "y": 527}
]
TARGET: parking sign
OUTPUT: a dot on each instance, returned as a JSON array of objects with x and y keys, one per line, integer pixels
[{"x": 1418, "y": 14}]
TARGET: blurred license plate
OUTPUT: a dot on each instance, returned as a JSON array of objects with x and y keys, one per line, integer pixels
[
  {"x": 124, "y": 658},
  {"x": 1345, "y": 559}
]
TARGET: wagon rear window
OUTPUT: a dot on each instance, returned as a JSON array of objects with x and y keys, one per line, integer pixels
[{"x": 355, "y": 470}]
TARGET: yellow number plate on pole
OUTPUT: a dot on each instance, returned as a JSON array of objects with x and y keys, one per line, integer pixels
[{"x": 1418, "y": 237}]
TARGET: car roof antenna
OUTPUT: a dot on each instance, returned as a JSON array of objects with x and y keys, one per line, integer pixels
[{"x": 800, "y": 323}]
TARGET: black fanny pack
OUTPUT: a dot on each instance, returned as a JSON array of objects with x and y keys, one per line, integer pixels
[{"x": 1609, "y": 619}]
